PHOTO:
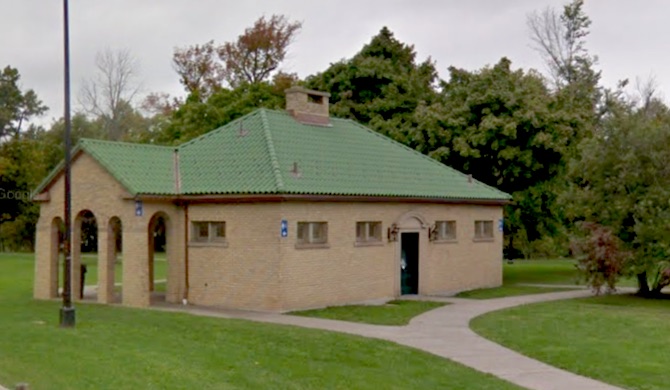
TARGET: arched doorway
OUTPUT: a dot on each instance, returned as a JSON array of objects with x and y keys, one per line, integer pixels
[
  {"x": 57, "y": 238},
  {"x": 84, "y": 253},
  {"x": 411, "y": 235},
  {"x": 158, "y": 255}
]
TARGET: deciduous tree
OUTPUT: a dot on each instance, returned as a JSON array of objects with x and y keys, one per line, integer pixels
[
  {"x": 621, "y": 180},
  {"x": 253, "y": 58},
  {"x": 195, "y": 118},
  {"x": 109, "y": 95},
  {"x": 257, "y": 53},
  {"x": 502, "y": 126},
  {"x": 561, "y": 40},
  {"x": 199, "y": 69}
]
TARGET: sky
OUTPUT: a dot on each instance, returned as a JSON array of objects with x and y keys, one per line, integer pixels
[{"x": 629, "y": 37}]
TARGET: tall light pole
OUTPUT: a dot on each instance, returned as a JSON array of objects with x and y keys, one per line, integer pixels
[{"x": 67, "y": 312}]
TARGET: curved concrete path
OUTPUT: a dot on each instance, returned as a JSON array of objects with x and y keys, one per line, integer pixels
[{"x": 445, "y": 332}]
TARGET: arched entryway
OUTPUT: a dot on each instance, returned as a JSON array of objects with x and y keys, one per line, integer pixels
[
  {"x": 84, "y": 253},
  {"x": 158, "y": 247}
]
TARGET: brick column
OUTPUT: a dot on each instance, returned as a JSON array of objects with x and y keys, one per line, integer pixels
[
  {"x": 174, "y": 291},
  {"x": 106, "y": 259},
  {"x": 46, "y": 260},
  {"x": 136, "y": 264},
  {"x": 76, "y": 258}
]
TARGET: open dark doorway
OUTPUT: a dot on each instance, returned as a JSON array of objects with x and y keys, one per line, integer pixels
[
  {"x": 158, "y": 256},
  {"x": 409, "y": 263},
  {"x": 87, "y": 264}
]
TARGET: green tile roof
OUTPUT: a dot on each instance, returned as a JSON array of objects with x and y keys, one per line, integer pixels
[
  {"x": 140, "y": 168},
  {"x": 268, "y": 152},
  {"x": 233, "y": 159}
]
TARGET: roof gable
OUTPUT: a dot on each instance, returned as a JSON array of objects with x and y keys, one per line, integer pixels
[{"x": 140, "y": 168}]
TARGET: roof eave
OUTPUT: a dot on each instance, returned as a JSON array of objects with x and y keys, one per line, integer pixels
[
  {"x": 54, "y": 175},
  {"x": 253, "y": 198}
]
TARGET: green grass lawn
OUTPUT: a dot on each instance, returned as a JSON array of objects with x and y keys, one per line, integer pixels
[
  {"x": 122, "y": 348},
  {"x": 397, "y": 312},
  {"x": 508, "y": 291},
  {"x": 622, "y": 340},
  {"x": 522, "y": 272},
  {"x": 545, "y": 271}
]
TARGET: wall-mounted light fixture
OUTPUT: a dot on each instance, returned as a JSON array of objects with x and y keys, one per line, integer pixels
[
  {"x": 432, "y": 233},
  {"x": 393, "y": 232}
]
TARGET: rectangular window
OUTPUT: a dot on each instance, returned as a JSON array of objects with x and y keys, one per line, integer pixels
[
  {"x": 218, "y": 231},
  {"x": 312, "y": 233},
  {"x": 205, "y": 231},
  {"x": 369, "y": 231},
  {"x": 483, "y": 230},
  {"x": 200, "y": 231},
  {"x": 446, "y": 230}
]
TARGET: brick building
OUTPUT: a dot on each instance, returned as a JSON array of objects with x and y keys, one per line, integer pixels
[{"x": 275, "y": 211}]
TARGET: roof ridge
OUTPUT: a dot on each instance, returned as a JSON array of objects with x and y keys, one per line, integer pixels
[
  {"x": 177, "y": 173},
  {"x": 276, "y": 170},
  {"x": 84, "y": 141},
  {"x": 218, "y": 129},
  {"x": 441, "y": 165}
]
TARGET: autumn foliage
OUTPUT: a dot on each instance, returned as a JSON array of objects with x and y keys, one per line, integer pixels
[
  {"x": 603, "y": 258},
  {"x": 259, "y": 51},
  {"x": 254, "y": 57}
]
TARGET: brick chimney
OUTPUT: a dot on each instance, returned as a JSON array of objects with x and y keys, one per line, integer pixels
[{"x": 308, "y": 106}]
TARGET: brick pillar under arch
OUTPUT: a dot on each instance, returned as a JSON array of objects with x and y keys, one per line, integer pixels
[
  {"x": 47, "y": 253},
  {"x": 136, "y": 264},
  {"x": 75, "y": 238},
  {"x": 106, "y": 259}
]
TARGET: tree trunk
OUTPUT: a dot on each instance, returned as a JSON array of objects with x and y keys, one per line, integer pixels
[{"x": 643, "y": 286}]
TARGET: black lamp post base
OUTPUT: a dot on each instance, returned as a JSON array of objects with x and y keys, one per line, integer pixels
[{"x": 67, "y": 317}]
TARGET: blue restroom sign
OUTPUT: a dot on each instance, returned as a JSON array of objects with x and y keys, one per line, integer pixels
[
  {"x": 501, "y": 225},
  {"x": 284, "y": 228},
  {"x": 138, "y": 208}
]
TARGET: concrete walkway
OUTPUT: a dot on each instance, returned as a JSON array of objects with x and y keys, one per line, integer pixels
[{"x": 444, "y": 332}]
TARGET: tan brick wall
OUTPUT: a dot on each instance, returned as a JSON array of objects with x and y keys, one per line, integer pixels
[
  {"x": 343, "y": 272},
  {"x": 94, "y": 189},
  {"x": 348, "y": 273},
  {"x": 243, "y": 274},
  {"x": 465, "y": 264}
]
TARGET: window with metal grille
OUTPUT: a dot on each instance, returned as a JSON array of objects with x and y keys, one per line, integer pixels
[
  {"x": 312, "y": 233},
  {"x": 208, "y": 231},
  {"x": 368, "y": 232},
  {"x": 445, "y": 230},
  {"x": 483, "y": 229}
]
